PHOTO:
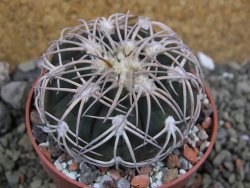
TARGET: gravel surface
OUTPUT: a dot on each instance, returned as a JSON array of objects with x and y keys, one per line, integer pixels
[{"x": 227, "y": 166}]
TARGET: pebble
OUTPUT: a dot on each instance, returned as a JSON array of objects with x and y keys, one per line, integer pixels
[
  {"x": 158, "y": 175},
  {"x": 173, "y": 161},
  {"x": 27, "y": 66},
  {"x": 12, "y": 178},
  {"x": 46, "y": 152},
  {"x": 96, "y": 185},
  {"x": 25, "y": 143},
  {"x": 36, "y": 183},
  {"x": 5, "y": 123},
  {"x": 71, "y": 175},
  {"x": 221, "y": 156},
  {"x": 63, "y": 157},
  {"x": 182, "y": 171},
  {"x": 4, "y": 73},
  {"x": 15, "y": 93},
  {"x": 123, "y": 183},
  {"x": 202, "y": 135},
  {"x": 64, "y": 165},
  {"x": 73, "y": 166},
  {"x": 115, "y": 174},
  {"x": 229, "y": 165},
  {"x": 206, "y": 61},
  {"x": 206, "y": 124},
  {"x": 170, "y": 174},
  {"x": 204, "y": 146},
  {"x": 107, "y": 182},
  {"x": 35, "y": 118},
  {"x": 58, "y": 165},
  {"x": 206, "y": 180},
  {"x": 184, "y": 164},
  {"x": 239, "y": 169},
  {"x": 140, "y": 181},
  {"x": 87, "y": 174},
  {"x": 197, "y": 181},
  {"x": 145, "y": 170},
  {"x": 231, "y": 178},
  {"x": 190, "y": 154},
  {"x": 228, "y": 125},
  {"x": 39, "y": 135}
]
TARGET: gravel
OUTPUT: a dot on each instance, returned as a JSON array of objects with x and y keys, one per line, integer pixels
[{"x": 227, "y": 166}]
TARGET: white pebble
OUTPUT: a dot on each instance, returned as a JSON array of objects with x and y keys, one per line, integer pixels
[
  {"x": 195, "y": 129},
  {"x": 244, "y": 137},
  {"x": 160, "y": 163},
  {"x": 190, "y": 166},
  {"x": 58, "y": 165},
  {"x": 159, "y": 182},
  {"x": 71, "y": 175},
  {"x": 182, "y": 171},
  {"x": 205, "y": 102},
  {"x": 46, "y": 144},
  {"x": 151, "y": 180},
  {"x": 64, "y": 165},
  {"x": 96, "y": 185},
  {"x": 65, "y": 171},
  {"x": 204, "y": 146},
  {"x": 154, "y": 185},
  {"x": 191, "y": 142},
  {"x": 98, "y": 179},
  {"x": 69, "y": 162},
  {"x": 228, "y": 75},
  {"x": 158, "y": 175},
  {"x": 206, "y": 61},
  {"x": 202, "y": 135}
]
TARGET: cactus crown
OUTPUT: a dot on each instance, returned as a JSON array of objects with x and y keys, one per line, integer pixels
[{"x": 122, "y": 90}]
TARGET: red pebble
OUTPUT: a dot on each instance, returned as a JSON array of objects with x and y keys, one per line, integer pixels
[
  {"x": 140, "y": 181},
  {"x": 190, "y": 154}
]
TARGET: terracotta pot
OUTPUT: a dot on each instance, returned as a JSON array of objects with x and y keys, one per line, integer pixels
[{"x": 62, "y": 181}]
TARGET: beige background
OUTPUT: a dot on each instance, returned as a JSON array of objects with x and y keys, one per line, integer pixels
[{"x": 220, "y": 28}]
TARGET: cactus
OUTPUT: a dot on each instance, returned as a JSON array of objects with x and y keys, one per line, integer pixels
[{"x": 122, "y": 90}]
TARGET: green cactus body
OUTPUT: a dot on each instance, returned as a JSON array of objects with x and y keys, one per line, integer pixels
[{"x": 119, "y": 91}]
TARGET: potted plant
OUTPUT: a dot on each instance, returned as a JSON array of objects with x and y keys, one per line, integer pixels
[{"x": 122, "y": 92}]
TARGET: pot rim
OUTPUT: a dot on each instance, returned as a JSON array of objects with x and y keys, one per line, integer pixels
[{"x": 76, "y": 183}]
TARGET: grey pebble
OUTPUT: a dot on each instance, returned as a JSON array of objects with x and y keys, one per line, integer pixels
[
  {"x": 12, "y": 178},
  {"x": 36, "y": 183},
  {"x": 4, "y": 73},
  {"x": 15, "y": 93},
  {"x": 27, "y": 66},
  {"x": 25, "y": 143},
  {"x": 221, "y": 156},
  {"x": 229, "y": 165},
  {"x": 202, "y": 135},
  {"x": 107, "y": 182},
  {"x": 88, "y": 174},
  {"x": 5, "y": 119},
  {"x": 231, "y": 178},
  {"x": 123, "y": 183},
  {"x": 238, "y": 185},
  {"x": 206, "y": 180},
  {"x": 184, "y": 163}
]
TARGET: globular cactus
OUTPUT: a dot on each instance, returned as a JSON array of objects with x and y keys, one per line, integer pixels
[{"x": 119, "y": 91}]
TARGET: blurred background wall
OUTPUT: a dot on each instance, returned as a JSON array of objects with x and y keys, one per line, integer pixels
[{"x": 219, "y": 28}]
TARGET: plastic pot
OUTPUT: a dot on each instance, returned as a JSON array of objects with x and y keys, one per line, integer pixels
[{"x": 62, "y": 181}]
